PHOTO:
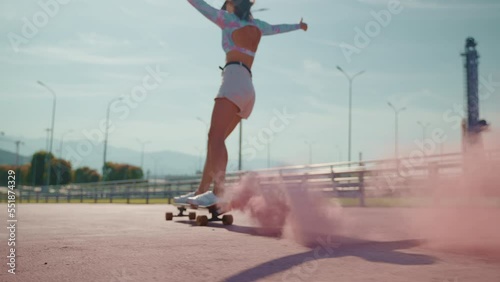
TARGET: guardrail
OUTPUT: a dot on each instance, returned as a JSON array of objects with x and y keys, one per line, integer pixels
[{"x": 344, "y": 180}]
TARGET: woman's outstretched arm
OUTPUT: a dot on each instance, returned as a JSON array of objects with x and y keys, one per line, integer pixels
[
  {"x": 268, "y": 29},
  {"x": 214, "y": 15}
]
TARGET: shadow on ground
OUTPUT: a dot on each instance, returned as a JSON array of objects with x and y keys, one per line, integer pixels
[
  {"x": 381, "y": 252},
  {"x": 255, "y": 231},
  {"x": 325, "y": 247}
]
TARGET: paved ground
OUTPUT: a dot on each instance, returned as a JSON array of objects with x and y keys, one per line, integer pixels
[{"x": 86, "y": 242}]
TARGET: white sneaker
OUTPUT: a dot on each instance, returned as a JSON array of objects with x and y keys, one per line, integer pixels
[
  {"x": 182, "y": 200},
  {"x": 206, "y": 199}
]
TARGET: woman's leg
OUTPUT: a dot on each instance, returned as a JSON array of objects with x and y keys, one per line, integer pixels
[
  {"x": 221, "y": 177},
  {"x": 232, "y": 126},
  {"x": 224, "y": 120},
  {"x": 208, "y": 178}
]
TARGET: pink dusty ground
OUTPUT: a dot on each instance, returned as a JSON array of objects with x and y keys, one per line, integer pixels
[{"x": 60, "y": 242}]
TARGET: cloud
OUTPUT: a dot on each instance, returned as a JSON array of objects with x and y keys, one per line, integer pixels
[
  {"x": 91, "y": 48},
  {"x": 313, "y": 67},
  {"x": 129, "y": 12},
  {"x": 155, "y": 38},
  {"x": 7, "y": 13},
  {"x": 406, "y": 99},
  {"x": 96, "y": 40},
  {"x": 325, "y": 42},
  {"x": 314, "y": 76},
  {"x": 85, "y": 56}
]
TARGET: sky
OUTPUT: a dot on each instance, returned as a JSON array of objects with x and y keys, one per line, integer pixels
[{"x": 161, "y": 57}]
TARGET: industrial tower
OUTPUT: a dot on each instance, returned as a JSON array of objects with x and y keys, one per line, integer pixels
[{"x": 472, "y": 126}]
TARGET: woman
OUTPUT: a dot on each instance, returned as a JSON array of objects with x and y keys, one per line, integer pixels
[{"x": 241, "y": 34}]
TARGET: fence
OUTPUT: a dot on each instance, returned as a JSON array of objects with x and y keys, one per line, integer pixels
[{"x": 357, "y": 180}]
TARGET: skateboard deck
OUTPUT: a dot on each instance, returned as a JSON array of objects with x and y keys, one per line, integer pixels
[{"x": 203, "y": 220}]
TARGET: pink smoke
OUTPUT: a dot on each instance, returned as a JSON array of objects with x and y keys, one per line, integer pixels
[
  {"x": 462, "y": 211},
  {"x": 292, "y": 210},
  {"x": 268, "y": 208}
]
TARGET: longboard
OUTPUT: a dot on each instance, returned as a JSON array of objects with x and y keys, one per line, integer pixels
[{"x": 202, "y": 220}]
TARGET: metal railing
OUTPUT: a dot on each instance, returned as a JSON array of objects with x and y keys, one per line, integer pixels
[{"x": 358, "y": 180}]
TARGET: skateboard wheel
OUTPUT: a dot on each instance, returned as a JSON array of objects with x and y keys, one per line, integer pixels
[
  {"x": 192, "y": 216},
  {"x": 169, "y": 216},
  {"x": 227, "y": 219},
  {"x": 202, "y": 220}
]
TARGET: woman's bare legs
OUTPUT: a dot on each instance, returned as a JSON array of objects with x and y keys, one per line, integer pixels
[
  {"x": 208, "y": 178},
  {"x": 221, "y": 175},
  {"x": 224, "y": 121}
]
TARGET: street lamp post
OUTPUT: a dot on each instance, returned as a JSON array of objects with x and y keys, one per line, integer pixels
[
  {"x": 310, "y": 150},
  {"x": 200, "y": 160},
  {"x": 61, "y": 152},
  {"x": 104, "y": 172},
  {"x": 396, "y": 144},
  {"x": 62, "y": 141},
  {"x": 143, "y": 144},
  {"x": 424, "y": 128},
  {"x": 52, "y": 128},
  {"x": 206, "y": 130},
  {"x": 155, "y": 164},
  {"x": 351, "y": 79},
  {"x": 269, "y": 155},
  {"x": 18, "y": 143},
  {"x": 47, "y": 139}
]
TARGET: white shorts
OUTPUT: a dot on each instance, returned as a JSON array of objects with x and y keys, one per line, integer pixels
[{"x": 237, "y": 87}]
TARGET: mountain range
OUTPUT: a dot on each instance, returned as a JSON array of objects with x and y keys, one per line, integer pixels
[{"x": 155, "y": 163}]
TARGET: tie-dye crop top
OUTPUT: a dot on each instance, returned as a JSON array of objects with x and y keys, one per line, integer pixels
[{"x": 229, "y": 22}]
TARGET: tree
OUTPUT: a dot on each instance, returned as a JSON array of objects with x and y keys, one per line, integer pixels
[
  {"x": 85, "y": 175},
  {"x": 122, "y": 172},
  {"x": 38, "y": 168},
  {"x": 61, "y": 172},
  {"x": 21, "y": 173},
  {"x": 24, "y": 173},
  {"x": 4, "y": 174}
]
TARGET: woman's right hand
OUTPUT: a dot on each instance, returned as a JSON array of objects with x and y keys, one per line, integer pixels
[{"x": 303, "y": 25}]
